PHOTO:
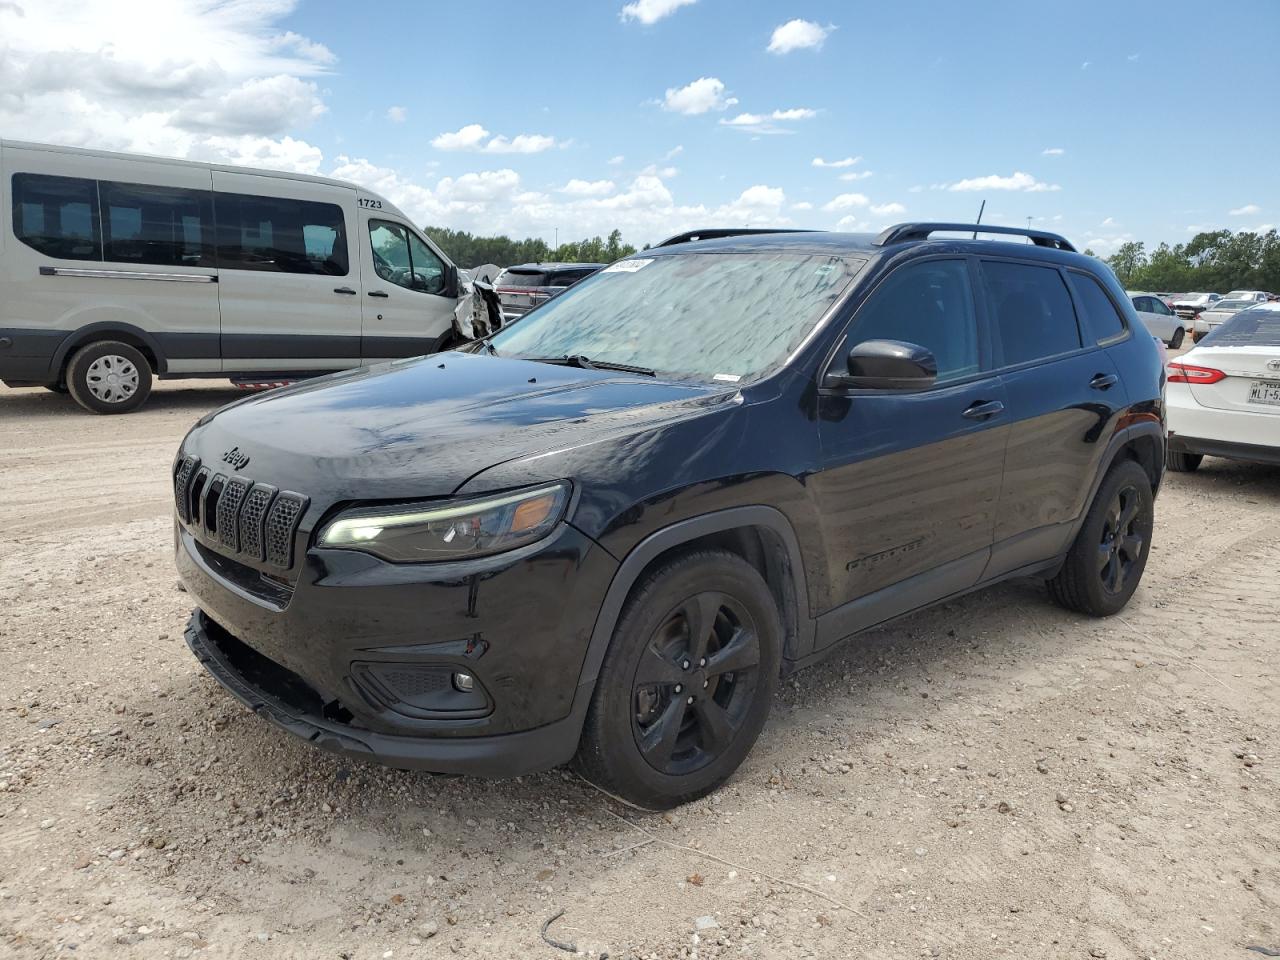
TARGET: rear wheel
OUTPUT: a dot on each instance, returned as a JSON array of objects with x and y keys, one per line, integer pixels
[
  {"x": 686, "y": 684},
  {"x": 1105, "y": 563},
  {"x": 109, "y": 377},
  {"x": 1178, "y": 336},
  {"x": 1180, "y": 462}
]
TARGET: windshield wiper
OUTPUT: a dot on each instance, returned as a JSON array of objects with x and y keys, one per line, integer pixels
[{"x": 578, "y": 360}]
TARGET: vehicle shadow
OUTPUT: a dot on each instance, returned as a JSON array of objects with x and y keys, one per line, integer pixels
[
  {"x": 166, "y": 397},
  {"x": 1216, "y": 476}
]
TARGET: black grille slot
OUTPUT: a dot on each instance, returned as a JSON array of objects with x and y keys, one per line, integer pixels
[
  {"x": 282, "y": 521},
  {"x": 195, "y": 497},
  {"x": 253, "y": 517},
  {"x": 411, "y": 683},
  {"x": 209, "y": 513},
  {"x": 181, "y": 485},
  {"x": 233, "y": 495}
]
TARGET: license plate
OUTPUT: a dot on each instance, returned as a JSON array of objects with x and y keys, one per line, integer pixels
[{"x": 1265, "y": 391}]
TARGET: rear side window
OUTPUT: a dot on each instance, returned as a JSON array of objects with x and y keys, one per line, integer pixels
[
  {"x": 160, "y": 225},
  {"x": 1032, "y": 311},
  {"x": 281, "y": 235},
  {"x": 1259, "y": 327},
  {"x": 524, "y": 278},
  {"x": 57, "y": 215},
  {"x": 929, "y": 304},
  {"x": 1101, "y": 318}
]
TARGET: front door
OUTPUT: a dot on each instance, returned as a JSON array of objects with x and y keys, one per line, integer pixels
[
  {"x": 910, "y": 481},
  {"x": 406, "y": 308},
  {"x": 287, "y": 274}
]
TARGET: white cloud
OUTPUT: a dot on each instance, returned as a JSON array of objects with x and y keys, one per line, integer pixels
[
  {"x": 475, "y": 137},
  {"x": 1133, "y": 57},
  {"x": 651, "y": 11},
  {"x": 397, "y": 114},
  {"x": 1018, "y": 180},
  {"x": 1109, "y": 222},
  {"x": 846, "y": 162},
  {"x": 1086, "y": 65},
  {"x": 856, "y": 175},
  {"x": 1104, "y": 244},
  {"x": 616, "y": 161},
  {"x": 846, "y": 201},
  {"x": 798, "y": 35},
  {"x": 1247, "y": 210},
  {"x": 186, "y": 78},
  {"x": 853, "y": 224},
  {"x": 674, "y": 152},
  {"x": 701, "y": 96},
  {"x": 768, "y": 122},
  {"x": 1052, "y": 152},
  {"x": 478, "y": 187},
  {"x": 662, "y": 173},
  {"x": 887, "y": 209},
  {"x": 802, "y": 205},
  {"x": 588, "y": 188}
]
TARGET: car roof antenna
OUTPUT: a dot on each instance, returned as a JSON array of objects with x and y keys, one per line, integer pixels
[{"x": 979, "y": 220}]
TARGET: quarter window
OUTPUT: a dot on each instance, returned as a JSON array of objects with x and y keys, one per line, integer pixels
[
  {"x": 1101, "y": 318},
  {"x": 400, "y": 257},
  {"x": 929, "y": 304},
  {"x": 158, "y": 225},
  {"x": 57, "y": 215},
  {"x": 276, "y": 234},
  {"x": 1032, "y": 311}
]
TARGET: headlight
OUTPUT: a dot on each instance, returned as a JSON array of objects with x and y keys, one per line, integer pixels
[{"x": 452, "y": 530}]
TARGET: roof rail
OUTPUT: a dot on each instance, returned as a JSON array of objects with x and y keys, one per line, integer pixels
[
  {"x": 902, "y": 232},
  {"x": 715, "y": 233}
]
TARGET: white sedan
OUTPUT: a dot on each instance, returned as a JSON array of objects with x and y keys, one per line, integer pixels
[
  {"x": 1159, "y": 320},
  {"x": 1223, "y": 397}
]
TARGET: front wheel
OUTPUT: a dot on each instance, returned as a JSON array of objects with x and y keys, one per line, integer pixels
[
  {"x": 686, "y": 684},
  {"x": 109, "y": 377},
  {"x": 1180, "y": 462},
  {"x": 1105, "y": 563},
  {"x": 1178, "y": 336}
]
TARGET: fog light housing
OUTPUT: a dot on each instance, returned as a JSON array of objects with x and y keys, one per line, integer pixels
[{"x": 464, "y": 682}]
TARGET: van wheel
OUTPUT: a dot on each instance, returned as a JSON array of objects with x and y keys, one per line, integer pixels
[
  {"x": 109, "y": 377},
  {"x": 1178, "y": 336},
  {"x": 1106, "y": 561},
  {"x": 1180, "y": 462},
  {"x": 686, "y": 684}
]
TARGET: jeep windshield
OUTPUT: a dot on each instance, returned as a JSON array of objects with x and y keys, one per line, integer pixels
[{"x": 726, "y": 316}]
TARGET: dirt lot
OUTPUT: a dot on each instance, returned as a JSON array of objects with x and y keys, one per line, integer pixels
[{"x": 992, "y": 778}]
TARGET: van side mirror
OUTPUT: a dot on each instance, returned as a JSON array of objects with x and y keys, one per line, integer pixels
[
  {"x": 451, "y": 281},
  {"x": 886, "y": 365}
]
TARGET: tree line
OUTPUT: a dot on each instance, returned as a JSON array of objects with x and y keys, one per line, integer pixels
[
  {"x": 1216, "y": 260},
  {"x": 468, "y": 250}
]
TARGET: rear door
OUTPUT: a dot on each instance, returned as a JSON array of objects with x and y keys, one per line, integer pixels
[
  {"x": 910, "y": 481},
  {"x": 288, "y": 274},
  {"x": 1064, "y": 396},
  {"x": 406, "y": 306}
]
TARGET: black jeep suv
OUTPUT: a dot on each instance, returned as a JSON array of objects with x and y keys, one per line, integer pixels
[{"x": 603, "y": 533}]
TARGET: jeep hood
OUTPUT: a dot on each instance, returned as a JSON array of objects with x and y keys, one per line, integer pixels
[{"x": 423, "y": 427}]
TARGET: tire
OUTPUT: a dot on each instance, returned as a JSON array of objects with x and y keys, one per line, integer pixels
[
  {"x": 1106, "y": 561},
  {"x": 109, "y": 377},
  {"x": 657, "y": 743},
  {"x": 56, "y": 387},
  {"x": 1180, "y": 462},
  {"x": 1178, "y": 336}
]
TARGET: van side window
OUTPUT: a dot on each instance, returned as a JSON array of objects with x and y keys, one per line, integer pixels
[
  {"x": 1032, "y": 310},
  {"x": 286, "y": 236},
  {"x": 57, "y": 215},
  {"x": 166, "y": 226},
  {"x": 1101, "y": 318},
  {"x": 400, "y": 257}
]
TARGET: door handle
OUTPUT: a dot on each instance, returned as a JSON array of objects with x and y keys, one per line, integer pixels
[
  {"x": 983, "y": 409},
  {"x": 1104, "y": 381},
  {"x": 347, "y": 290},
  {"x": 379, "y": 293}
]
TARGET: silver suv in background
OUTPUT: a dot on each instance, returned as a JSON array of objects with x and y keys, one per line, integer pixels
[{"x": 524, "y": 287}]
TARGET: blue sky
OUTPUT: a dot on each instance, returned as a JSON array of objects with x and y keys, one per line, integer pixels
[{"x": 1106, "y": 121}]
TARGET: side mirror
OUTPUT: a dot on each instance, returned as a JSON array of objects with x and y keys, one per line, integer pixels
[
  {"x": 451, "y": 281},
  {"x": 886, "y": 365}
]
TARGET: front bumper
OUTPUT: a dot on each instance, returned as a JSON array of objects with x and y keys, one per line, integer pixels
[{"x": 510, "y": 755}]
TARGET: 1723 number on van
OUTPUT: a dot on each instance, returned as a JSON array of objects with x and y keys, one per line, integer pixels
[{"x": 370, "y": 204}]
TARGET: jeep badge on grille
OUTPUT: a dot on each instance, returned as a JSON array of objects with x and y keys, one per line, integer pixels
[{"x": 237, "y": 459}]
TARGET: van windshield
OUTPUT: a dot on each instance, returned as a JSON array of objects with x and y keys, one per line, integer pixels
[{"x": 706, "y": 315}]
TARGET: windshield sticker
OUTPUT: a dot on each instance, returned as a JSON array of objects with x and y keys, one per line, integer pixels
[
  {"x": 627, "y": 266},
  {"x": 731, "y": 377}
]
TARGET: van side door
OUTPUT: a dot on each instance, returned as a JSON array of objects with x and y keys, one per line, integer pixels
[
  {"x": 288, "y": 274},
  {"x": 407, "y": 305}
]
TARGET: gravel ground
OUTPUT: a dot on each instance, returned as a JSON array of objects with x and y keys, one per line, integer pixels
[{"x": 990, "y": 778}]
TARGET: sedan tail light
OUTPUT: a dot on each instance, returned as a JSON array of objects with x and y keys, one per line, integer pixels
[{"x": 1189, "y": 373}]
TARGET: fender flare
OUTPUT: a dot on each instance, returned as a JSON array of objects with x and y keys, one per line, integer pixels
[
  {"x": 103, "y": 331},
  {"x": 659, "y": 542},
  {"x": 1123, "y": 436}
]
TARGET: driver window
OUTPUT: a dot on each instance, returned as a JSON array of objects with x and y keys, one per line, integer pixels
[
  {"x": 390, "y": 244},
  {"x": 428, "y": 271},
  {"x": 929, "y": 304}
]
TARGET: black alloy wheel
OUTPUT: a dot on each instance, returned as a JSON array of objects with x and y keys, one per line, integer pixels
[
  {"x": 694, "y": 684},
  {"x": 1124, "y": 540}
]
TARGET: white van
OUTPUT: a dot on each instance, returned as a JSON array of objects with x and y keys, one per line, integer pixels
[{"x": 115, "y": 269}]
